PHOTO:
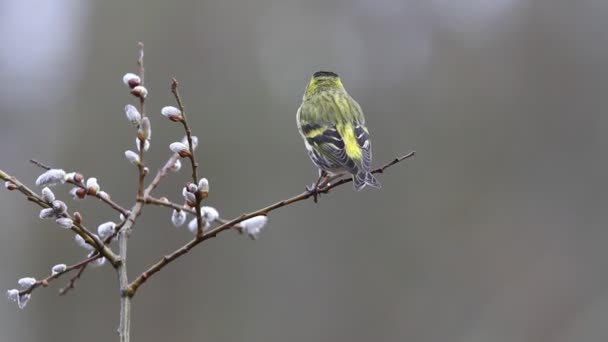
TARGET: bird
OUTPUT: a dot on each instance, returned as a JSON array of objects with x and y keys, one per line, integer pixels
[{"x": 333, "y": 127}]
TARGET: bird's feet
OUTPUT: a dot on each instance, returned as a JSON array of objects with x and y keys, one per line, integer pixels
[{"x": 314, "y": 191}]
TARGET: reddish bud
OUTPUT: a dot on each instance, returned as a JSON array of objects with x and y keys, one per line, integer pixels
[
  {"x": 77, "y": 218},
  {"x": 140, "y": 91}
]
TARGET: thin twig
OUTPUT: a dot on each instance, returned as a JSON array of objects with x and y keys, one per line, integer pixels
[
  {"x": 72, "y": 282},
  {"x": 184, "y": 121},
  {"x": 107, "y": 240},
  {"x": 45, "y": 282},
  {"x": 124, "y": 328},
  {"x": 104, "y": 199},
  {"x": 77, "y": 228},
  {"x": 142, "y": 110},
  {"x": 135, "y": 284},
  {"x": 167, "y": 203}
]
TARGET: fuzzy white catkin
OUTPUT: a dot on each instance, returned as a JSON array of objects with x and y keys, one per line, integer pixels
[
  {"x": 178, "y": 218},
  {"x": 23, "y": 299},
  {"x": 80, "y": 242},
  {"x": 254, "y": 225},
  {"x": 64, "y": 222},
  {"x": 194, "y": 141},
  {"x": 106, "y": 229},
  {"x": 92, "y": 183},
  {"x": 51, "y": 177},
  {"x": 193, "y": 225},
  {"x": 210, "y": 214},
  {"x": 132, "y": 114},
  {"x": 20, "y": 299},
  {"x": 47, "y": 195},
  {"x": 131, "y": 78},
  {"x": 26, "y": 282},
  {"x": 12, "y": 294},
  {"x": 132, "y": 157},
  {"x": 176, "y": 166},
  {"x": 58, "y": 268},
  {"x": 46, "y": 213},
  {"x": 177, "y": 147},
  {"x": 203, "y": 184},
  {"x": 169, "y": 111}
]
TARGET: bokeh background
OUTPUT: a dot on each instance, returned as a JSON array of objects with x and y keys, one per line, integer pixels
[{"x": 495, "y": 231}]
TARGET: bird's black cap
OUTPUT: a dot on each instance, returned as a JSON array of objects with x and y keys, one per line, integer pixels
[{"x": 324, "y": 73}]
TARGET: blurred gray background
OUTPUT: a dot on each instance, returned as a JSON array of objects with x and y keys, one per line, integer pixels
[{"x": 495, "y": 231}]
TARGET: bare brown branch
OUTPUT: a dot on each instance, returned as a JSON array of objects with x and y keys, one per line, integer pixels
[
  {"x": 77, "y": 228},
  {"x": 45, "y": 282},
  {"x": 135, "y": 284},
  {"x": 72, "y": 282},
  {"x": 193, "y": 162},
  {"x": 106, "y": 200}
]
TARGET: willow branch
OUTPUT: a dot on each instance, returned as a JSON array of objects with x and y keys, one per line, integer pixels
[
  {"x": 184, "y": 121},
  {"x": 124, "y": 327},
  {"x": 81, "y": 267},
  {"x": 167, "y": 203},
  {"x": 167, "y": 259},
  {"x": 46, "y": 281},
  {"x": 77, "y": 228},
  {"x": 104, "y": 199}
]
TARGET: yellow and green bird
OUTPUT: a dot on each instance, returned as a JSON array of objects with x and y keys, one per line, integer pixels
[{"x": 333, "y": 127}]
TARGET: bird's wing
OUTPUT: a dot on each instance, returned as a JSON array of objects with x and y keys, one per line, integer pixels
[
  {"x": 329, "y": 138},
  {"x": 363, "y": 141}
]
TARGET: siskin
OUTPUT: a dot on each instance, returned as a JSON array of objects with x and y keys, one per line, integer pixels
[{"x": 333, "y": 127}]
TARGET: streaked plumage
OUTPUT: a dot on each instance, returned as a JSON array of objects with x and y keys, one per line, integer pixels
[{"x": 333, "y": 127}]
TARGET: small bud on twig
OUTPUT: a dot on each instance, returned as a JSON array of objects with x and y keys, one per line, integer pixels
[
  {"x": 59, "y": 207},
  {"x": 47, "y": 195},
  {"x": 26, "y": 282},
  {"x": 194, "y": 141},
  {"x": 181, "y": 149},
  {"x": 77, "y": 217},
  {"x": 178, "y": 218},
  {"x": 65, "y": 222},
  {"x": 74, "y": 177},
  {"x": 254, "y": 225},
  {"x": 193, "y": 226},
  {"x": 193, "y": 188},
  {"x": 20, "y": 299},
  {"x": 58, "y": 268},
  {"x": 106, "y": 229},
  {"x": 176, "y": 166},
  {"x": 51, "y": 177},
  {"x": 131, "y": 80},
  {"x": 146, "y": 144},
  {"x": 10, "y": 186},
  {"x": 189, "y": 197},
  {"x": 140, "y": 91},
  {"x": 203, "y": 188},
  {"x": 12, "y": 294},
  {"x": 145, "y": 129},
  {"x": 92, "y": 186},
  {"x": 78, "y": 193},
  {"x": 47, "y": 213},
  {"x": 172, "y": 113},
  {"x": 133, "y": 114},
  {"x": 210, "y": 214},
  {"x": 132, "y": 157}
]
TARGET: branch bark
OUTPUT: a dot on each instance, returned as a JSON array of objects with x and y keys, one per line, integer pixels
[{"x": 167, "y": 259}]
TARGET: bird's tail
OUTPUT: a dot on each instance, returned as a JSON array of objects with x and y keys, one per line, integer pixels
[{"x": 361, "y": 179}]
